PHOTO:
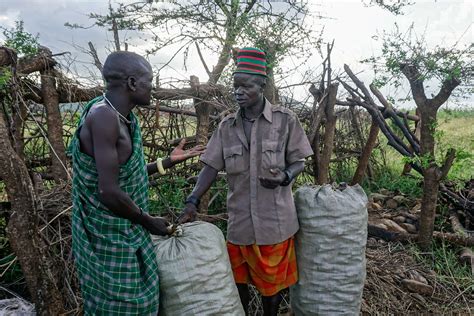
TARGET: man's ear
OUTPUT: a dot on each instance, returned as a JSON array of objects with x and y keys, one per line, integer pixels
[{"x": 132, "y": 83}]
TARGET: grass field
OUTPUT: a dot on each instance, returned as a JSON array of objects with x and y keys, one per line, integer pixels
[{"x": 456, "y": 130}]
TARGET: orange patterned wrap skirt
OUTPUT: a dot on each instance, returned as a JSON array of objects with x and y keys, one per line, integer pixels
[{"x": 271, "y": 268}]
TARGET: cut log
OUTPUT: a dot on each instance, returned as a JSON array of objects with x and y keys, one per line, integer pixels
[
  {"x": 392, "y": 226},
  {"x": 467, "y": 241},
  {"x": 203, "y": 110},
  {"x": 366, "y": 153},
  {"x": 391, "y": 204},
  {"x": 379, "y": 231},
  {"x": 416, "y": 209},
  {"x": 409, "y": 228},
  {"x": 39, "y": 268},
  {"x": 375, "y": 206},
  {"x": 55, "y": 130},
  {"x": 377, "y": 197},
  {"x": 417, "y": 287},
  {"x": 458, "y": 228},
  {"x": 399, "y": 219},
  {"x": 329, "y": 133},
  {"x": 8, "y": 57},
  {"x": 39, "y": 62},
  {"x": 415, "y": 275},
  {"x": 401, "y": 199},
  {"x": 467, "y": 257}
]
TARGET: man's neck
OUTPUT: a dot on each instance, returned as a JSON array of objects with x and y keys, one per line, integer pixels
[
  {"x": 119, "y": 101},
  {"x": 255, "y": 110}
]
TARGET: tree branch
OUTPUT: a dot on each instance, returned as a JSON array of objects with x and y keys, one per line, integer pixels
[
  {"x": 202, "y": 59},
  {"x": 359, "y": 84},
  {"x": 223, "y": 7},
  {"x": 446, "y": 89},
  {"x": 249, "y": 6},
  {"x": 94, "y": 55},
  {"x": 448, "y": 162},
  {"x": 416, "y": 83},
  {"x": 389, "y": 111},
  {"x": 39, "y": 62}
]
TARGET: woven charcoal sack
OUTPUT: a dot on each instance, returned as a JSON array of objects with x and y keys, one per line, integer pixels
[
  {"x": 195, "y": 273},
  {"x": 330, "y": 249}
]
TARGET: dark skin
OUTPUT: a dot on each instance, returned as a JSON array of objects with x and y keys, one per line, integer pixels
[
  {"x": 178, "y": 155},
  {"x": 248, "y": 91},
  {"x": 110, "y": 144}
]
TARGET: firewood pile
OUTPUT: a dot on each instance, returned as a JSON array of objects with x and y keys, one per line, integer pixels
[
  {"x": 394, "y": 217},
  {"x": 394, "y": 212},
  {"x": 396, "y": 284}
]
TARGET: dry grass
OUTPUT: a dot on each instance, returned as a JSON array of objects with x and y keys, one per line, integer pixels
[{"x": 384, "y": 294}]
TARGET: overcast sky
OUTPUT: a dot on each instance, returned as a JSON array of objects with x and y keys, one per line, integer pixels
[{"x": 349, "y": 22}]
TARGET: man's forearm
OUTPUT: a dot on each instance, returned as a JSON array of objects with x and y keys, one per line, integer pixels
[
  {"x": 152, "y": 167},
  {"x": 119, "y": 203},
  {"x": 296, "y": 168},
  {"x": 204, "y": 182},
  {"x": 206, "y": 178}
]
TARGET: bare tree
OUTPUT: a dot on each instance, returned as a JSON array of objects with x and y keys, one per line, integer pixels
[{"x": 323, "y": 115}]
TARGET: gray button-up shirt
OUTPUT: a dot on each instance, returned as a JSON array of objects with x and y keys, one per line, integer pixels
[{"x": 258, "y": 215}]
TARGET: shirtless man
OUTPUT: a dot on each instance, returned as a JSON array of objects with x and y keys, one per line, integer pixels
[{"x": 111, "y": 225}]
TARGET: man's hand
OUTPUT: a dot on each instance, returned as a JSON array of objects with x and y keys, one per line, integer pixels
[
  {"x": 188, "y": 215},
  {"x": 273, "y": 179},
  {"x": 155, "y": 225},
  {"x": 179, "y": 154}
]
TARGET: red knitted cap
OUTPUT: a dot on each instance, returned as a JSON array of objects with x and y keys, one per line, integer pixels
[{"x": 251, "y": 60}]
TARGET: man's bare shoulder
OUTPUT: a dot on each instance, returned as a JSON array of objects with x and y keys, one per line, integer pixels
[
  {"x": 101, "y": 122},
  {"x": 101, "y": 113}
]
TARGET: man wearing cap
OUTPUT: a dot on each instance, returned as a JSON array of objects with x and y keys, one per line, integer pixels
[{"x": 262, "y": 148}]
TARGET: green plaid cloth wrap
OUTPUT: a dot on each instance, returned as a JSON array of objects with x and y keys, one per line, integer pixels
[{"x": 114, "y": 257}]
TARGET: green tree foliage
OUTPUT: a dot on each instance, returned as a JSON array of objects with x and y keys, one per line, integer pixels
[
  {"x": 213, "y": 25},
  {"x": 437, "y": 64},
  {"x": 23, "y": 42}
]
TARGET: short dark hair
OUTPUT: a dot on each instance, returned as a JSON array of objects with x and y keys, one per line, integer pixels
[{"x": 120, "y": 65}]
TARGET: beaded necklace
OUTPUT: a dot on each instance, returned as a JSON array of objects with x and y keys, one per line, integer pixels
[{"x": 122, "y": 118}]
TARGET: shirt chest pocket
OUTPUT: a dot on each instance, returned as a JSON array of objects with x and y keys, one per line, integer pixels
[
  {"x": 234, "y": 159},
  {"x": 272, "y": 155}
]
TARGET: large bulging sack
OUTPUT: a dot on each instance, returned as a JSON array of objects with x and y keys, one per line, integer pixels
[
  {"x": 195, "y": 273},
  {"x": 330, "y": 249}
]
